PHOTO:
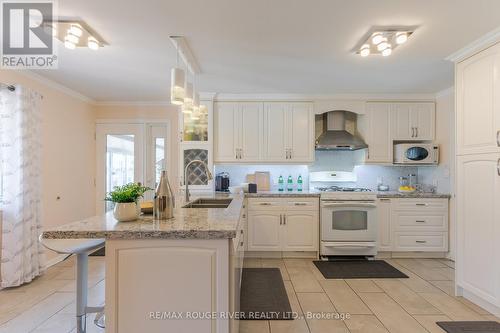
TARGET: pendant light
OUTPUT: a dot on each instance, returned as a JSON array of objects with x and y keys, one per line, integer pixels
[
  {"x": 188, "y": 96},
  {"x": 177, "y": 84}
]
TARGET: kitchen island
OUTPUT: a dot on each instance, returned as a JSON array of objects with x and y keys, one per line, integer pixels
[{"x": 179, "y": 275}]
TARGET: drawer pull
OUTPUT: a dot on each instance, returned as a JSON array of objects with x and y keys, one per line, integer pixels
[
  {"x": 265, "y": 204},
  {"x": 421, "y": 204},
  {"x": 421, "y": 241},
  {"x": 300, "y": 204},
  {"x": 420, "y": 221},
  {"x": 385, "y": 199}
]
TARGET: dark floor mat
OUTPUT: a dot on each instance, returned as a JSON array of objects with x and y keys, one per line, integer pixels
[
  {"x": 263, "y": 295},
  {"x": 470, "y": 326},
  {"x": 358, "y": 269}
]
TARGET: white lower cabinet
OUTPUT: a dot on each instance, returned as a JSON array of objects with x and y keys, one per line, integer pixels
[
  {"x": 283, "y": 224},
  {"x": 478, "y": 222},
  {"x": 406, "y": 225},
  {"x": 264, "y": 230},
  {"x": 384, "y": 242},
  {"x": 301, "y": 231},
  {"x": 420, "y": 225}
]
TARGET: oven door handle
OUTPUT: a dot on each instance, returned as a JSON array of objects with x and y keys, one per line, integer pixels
[
  {"x": 350, "y": 245},
  {"x": 349, "y": 204}
]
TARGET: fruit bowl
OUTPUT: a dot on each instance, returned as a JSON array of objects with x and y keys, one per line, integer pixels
[{"x": 406, "y": 189}]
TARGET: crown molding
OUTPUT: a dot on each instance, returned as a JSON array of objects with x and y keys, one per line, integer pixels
[
  {"x": 445, "y": 92},
  {"x": 134, "y": 103},
  {"x": 223, "y": 97},
  {"x": 57, "y": 86},
  {"x": 476, "y": 46},
  {"x": 323, "y": 97}
]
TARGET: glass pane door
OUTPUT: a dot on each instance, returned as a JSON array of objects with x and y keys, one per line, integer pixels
[
  {"x": 119, "y": 159},
  {"x": 157, "y": 156}
]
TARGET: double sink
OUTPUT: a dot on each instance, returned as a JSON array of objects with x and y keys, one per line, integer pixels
[{"x": 208, "y": 203}]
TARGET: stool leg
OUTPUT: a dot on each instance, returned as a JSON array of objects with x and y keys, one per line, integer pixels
[{"x": 82, "y": 262}]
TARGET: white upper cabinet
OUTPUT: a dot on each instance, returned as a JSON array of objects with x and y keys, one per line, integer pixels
[
  {"x": 250, "y": 118},
  {"x": 378, "y": 133},
  {"x": 413, "y": 121},
  {"x": 478, "y": 103},
  {"x": 226, "y": 141},
  {"x": 238, "y": 131},
  {"x": 300, "y": 128},
  {"x": 264, "y": 132},
  {"x": 275, "y": 131}
]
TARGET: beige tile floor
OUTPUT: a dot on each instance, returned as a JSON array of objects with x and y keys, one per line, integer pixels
[{"x": 373, "y": 305}]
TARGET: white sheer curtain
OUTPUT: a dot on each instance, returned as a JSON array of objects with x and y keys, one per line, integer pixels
[{"x": 22, "y": 256}]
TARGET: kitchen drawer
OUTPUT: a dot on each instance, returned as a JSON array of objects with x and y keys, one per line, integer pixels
[
  {"x": 411, "y": 221},
  {"x": 265, "y": 203},
  {"x": 302, "y": 204},
  {"x": 421, "y": 204},
  {"x": 426, "y": 242}
]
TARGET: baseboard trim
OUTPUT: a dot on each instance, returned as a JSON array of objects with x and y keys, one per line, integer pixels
[
  {"x": 430, "y": 255},
  {"x": 495, "y": 310},
  {"x": 281, "y": 254}
]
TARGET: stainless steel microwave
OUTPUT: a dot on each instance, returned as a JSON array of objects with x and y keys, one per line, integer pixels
[{"x": 416, "y": 153}]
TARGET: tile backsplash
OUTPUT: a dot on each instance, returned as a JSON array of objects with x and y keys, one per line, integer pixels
[
  {"x": 367, "y": 175},
  {"x": 237, "y": 173}
]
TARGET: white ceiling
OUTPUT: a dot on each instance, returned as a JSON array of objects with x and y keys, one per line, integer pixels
[{"x": 268, "y": 46}]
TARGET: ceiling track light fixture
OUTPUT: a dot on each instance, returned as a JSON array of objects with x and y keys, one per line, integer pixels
[
  {"x": 75, "y": 34},
  {"x": 383, "y": 40}
]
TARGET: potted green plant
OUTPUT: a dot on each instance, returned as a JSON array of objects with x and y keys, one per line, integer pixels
[{"x": 126, "y": 201}]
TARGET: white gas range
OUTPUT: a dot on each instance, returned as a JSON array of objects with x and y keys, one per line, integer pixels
[{"x": 348, "y": 215}]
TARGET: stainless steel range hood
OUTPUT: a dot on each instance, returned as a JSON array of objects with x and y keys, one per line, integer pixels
[{"x": 335, "y": 135}]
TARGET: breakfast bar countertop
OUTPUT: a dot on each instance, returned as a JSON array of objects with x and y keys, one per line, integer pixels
[{"x": 188, "y": 223}]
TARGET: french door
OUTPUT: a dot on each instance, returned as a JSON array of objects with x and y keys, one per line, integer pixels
[{"x": 126, "y": 153}]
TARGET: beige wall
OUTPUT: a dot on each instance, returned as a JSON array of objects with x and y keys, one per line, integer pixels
[
  {"x": 145, "y": 112},
  {"x": 68, "y": 155}
]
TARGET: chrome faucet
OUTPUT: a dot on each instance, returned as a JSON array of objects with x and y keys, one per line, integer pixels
[{"x": 209, "y": 175}]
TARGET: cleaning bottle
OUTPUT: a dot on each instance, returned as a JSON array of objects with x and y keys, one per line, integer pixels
[
  {"x": 280, "y": 183},
  {"x": 289, "y": 185},
  {"x": 299, "y": 183}
]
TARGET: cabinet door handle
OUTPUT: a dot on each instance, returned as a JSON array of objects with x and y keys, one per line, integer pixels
[
  {"x": 265, "y": 204},
  {"x": 498, "y": 167},
  {"x": 284, "y": 219},
  {"x": 290, "y": 152},
  {"x": 413, "y": 132},
  {"x": 416, "y": 132},
  {"x": 241, "y": 153},
  {"x": 300, "y": 203},
  {"x": 281, "y": 219},
  {"x": 241, "y": 243},
  {"x": 498, "y": 138},
  {"x": 421, "y": 241}
]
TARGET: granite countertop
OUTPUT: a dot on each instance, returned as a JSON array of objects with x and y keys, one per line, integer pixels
[
  {"x": 414, "y": 195},
  {"x": 284, "y": 194},
  {"x": 188, "y": 223}
]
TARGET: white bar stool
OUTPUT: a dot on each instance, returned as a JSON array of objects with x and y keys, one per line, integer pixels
[{"x": 82, "y": 248}]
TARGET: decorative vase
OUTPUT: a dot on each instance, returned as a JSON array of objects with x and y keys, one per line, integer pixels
[
  {"x": 164, "y": 202},
  {"x": 126, "y": 211}
]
